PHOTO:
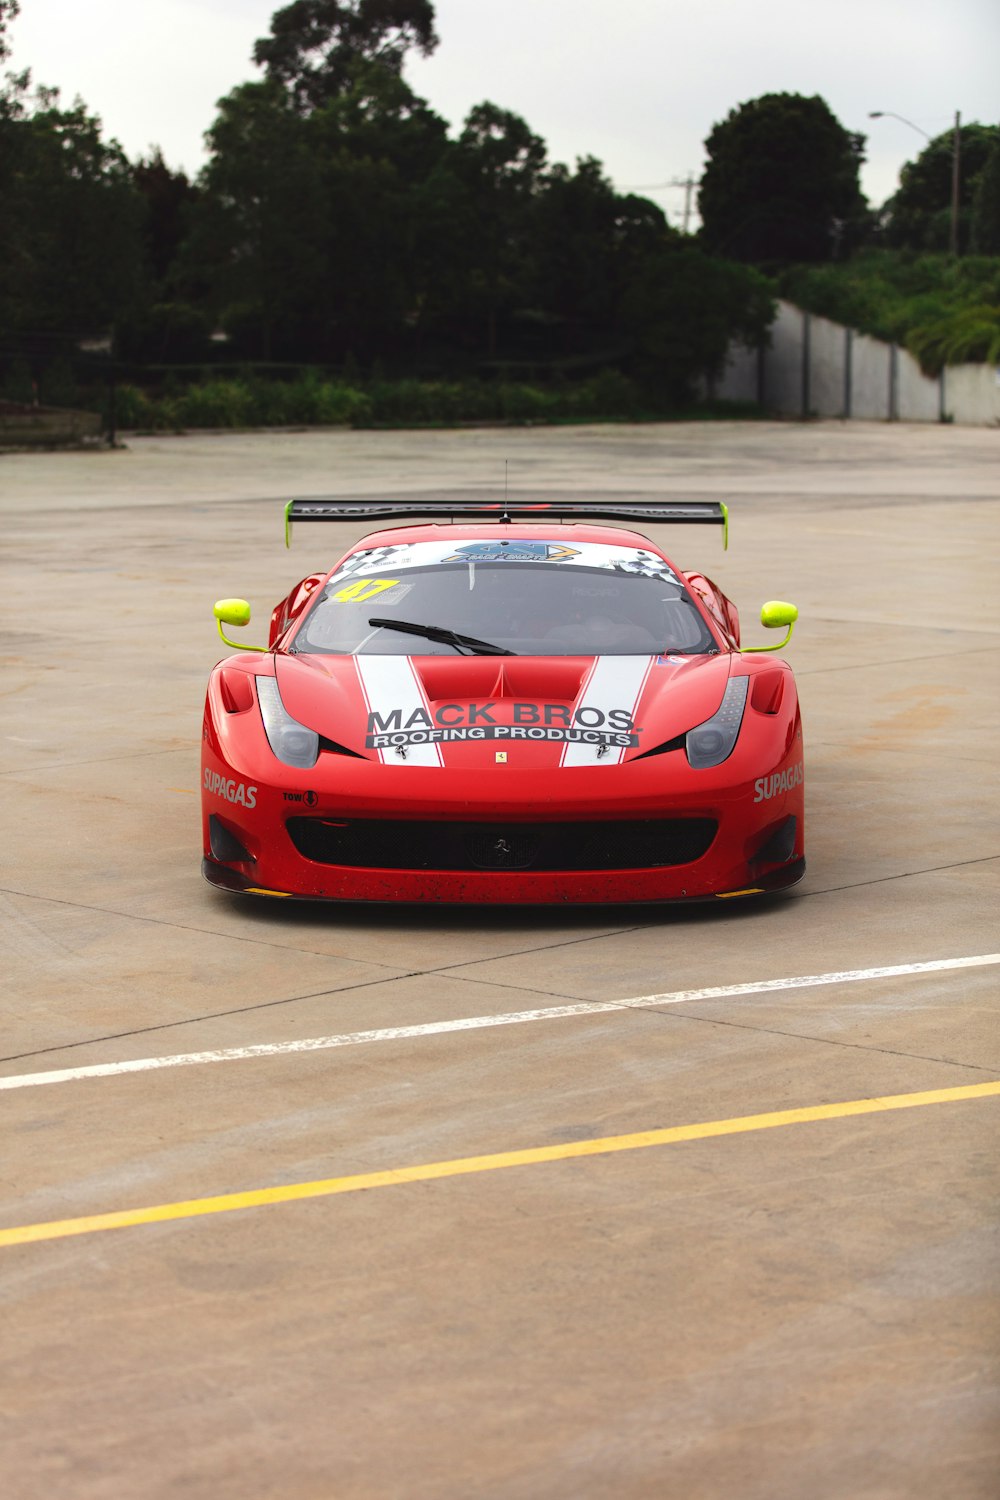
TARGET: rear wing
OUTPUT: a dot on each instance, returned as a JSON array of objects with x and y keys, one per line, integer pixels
[{"x": 697, "y": 512}]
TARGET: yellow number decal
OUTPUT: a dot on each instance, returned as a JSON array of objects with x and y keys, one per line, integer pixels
[{"x": 364, "y": 588}]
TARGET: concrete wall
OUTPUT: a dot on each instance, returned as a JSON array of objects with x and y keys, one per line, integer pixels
[
  {"x": 973, "y": 390},
  {"x": 814, "y": 367}
]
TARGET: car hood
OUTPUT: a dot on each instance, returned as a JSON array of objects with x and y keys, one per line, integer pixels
[{"x": 469, "y": 711}]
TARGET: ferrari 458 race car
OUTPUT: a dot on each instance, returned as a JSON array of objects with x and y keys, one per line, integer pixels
[{"x": 511, "y": 707}]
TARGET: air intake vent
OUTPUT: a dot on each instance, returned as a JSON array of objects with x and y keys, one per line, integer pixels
[{"x": 651, "y": 844}]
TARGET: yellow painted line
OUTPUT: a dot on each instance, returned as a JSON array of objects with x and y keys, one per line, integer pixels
[{"x": 429, "y": 1171}]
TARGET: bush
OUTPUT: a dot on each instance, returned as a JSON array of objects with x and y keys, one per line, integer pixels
[
  {"x": 246, "y": 401},
  {"x": 312, "y": 399},
  {"x": 944, "y": 310},
  {"x": 971, "y": 336},
  {"x": 135, "y": 410}
]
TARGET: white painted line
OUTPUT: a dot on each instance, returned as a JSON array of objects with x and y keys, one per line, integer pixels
[{"x": 504, "y": 1018}]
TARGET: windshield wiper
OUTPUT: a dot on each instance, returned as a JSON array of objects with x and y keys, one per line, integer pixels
[{"x": 445, "y": 636}]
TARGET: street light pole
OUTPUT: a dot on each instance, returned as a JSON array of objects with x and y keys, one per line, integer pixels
[
  {"x": 956, "y": 150},
  {"x": 882, "y": 114}
]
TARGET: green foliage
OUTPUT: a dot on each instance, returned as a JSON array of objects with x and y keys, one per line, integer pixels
[
  {"x": 59, "y": 385},
  {"x": 9, "y": 9},
  {"x": 918, "y": 215},
  {"x": 315, "y": 400},
  {"x": 315, "y": 46},
  {"x": 587, "y": 247},
  {"x": 684, "y": 308},
  {"x": 499, "y": 164},
  {"x": 165, "y": 331},
  {"x": 167, "y": 200},
  {"x": 229, "y": 402},
  {"x": 942, "y": 309},
  {"x": 255, "y": 232},
  {"x": 781, "y": 183},
  {"x": 71, "y": 223},
  {"x": 985, "y": 214},
  {"x": 18, "y": 384},
  {"x": 338, "y": 224},
  {"x": 971, "y": 336}
]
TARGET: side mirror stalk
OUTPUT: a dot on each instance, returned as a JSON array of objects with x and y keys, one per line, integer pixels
[
  {"x": 774, "y": 615},
  {"x": 233, "y": 612}
]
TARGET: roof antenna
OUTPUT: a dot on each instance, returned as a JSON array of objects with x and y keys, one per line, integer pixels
[{"x": 506, "y": 514}]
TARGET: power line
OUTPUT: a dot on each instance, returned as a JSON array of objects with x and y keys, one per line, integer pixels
[{"x": 687, "y": 183}]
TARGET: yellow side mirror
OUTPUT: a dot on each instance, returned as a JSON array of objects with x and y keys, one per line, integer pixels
[
  {"x": 776, "y": 615},
  {"x": 235, "y": 612}
]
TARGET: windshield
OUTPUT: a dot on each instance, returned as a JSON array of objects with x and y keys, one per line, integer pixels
[{"x": 533, "y": 598}]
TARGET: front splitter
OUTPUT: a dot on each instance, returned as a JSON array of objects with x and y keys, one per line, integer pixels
[{"x": 226, "y": 879}]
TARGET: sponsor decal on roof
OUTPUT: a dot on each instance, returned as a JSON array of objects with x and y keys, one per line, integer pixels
[
  {"x": 520, "y": 551},
  {"x": 766, "y": 787},
  {"x": 394, "y": 559}
]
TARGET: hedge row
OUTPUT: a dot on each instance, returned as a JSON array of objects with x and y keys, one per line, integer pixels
[{"x": 311, "y": 400}]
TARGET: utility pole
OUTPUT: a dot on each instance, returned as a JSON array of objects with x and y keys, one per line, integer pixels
[
  {"x": 955, "y": 153},
  {"x": 687, "y": 183}
]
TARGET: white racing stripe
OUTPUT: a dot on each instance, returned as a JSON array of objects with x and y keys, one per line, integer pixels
[
  {"x": 389, "y": 682},
  {"x": 509, "y": 1018},
  {"x": 614, "y": 682}
]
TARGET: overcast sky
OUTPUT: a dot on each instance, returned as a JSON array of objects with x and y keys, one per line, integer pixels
[{"x": 636, "y": 83}]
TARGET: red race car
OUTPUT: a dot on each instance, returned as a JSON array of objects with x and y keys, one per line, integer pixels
[{"x": 509, "y": 708}]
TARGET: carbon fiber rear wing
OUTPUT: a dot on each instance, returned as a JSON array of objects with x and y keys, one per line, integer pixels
[{"x": 697, "y": 512}]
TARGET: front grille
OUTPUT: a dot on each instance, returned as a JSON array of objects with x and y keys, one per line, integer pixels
[{"x": 650, "y": 844}]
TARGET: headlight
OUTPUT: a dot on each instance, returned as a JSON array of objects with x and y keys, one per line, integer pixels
[
  {"x": 291, "y": 741},
  {"x": 711, "y": 742}
]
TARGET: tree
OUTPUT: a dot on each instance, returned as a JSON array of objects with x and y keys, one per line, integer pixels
[
  {"x": 499, "y": 163},
  {"x": 684, "y": 308},
  {"x": 315, "y": 45},
  {"x": 318, "y": 230},
  {"x": 9, "y": 10},
  {"x": 918, "y": 215},
  {"x": 588, "y": 245},
  {"x": 167, "y": 197},
  {"x": 256, "y": 231},
  {"x": 73, "y": 252},
  {"x": 12, "y": 92},
  {"x": 379, "y": 116},
  {"x": 390, "y": 203},
  {"x": 986, "y": 204},
  {"x": 781, "y": 183}
]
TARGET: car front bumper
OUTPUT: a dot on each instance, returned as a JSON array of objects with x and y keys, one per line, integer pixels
[{"x": 640, "y": 832}]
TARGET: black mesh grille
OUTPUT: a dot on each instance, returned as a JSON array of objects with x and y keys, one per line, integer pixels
[{"x": 393, "y": 845}]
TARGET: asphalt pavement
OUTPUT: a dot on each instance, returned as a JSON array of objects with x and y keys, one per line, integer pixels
[{"x": 346, "y": 1202}]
